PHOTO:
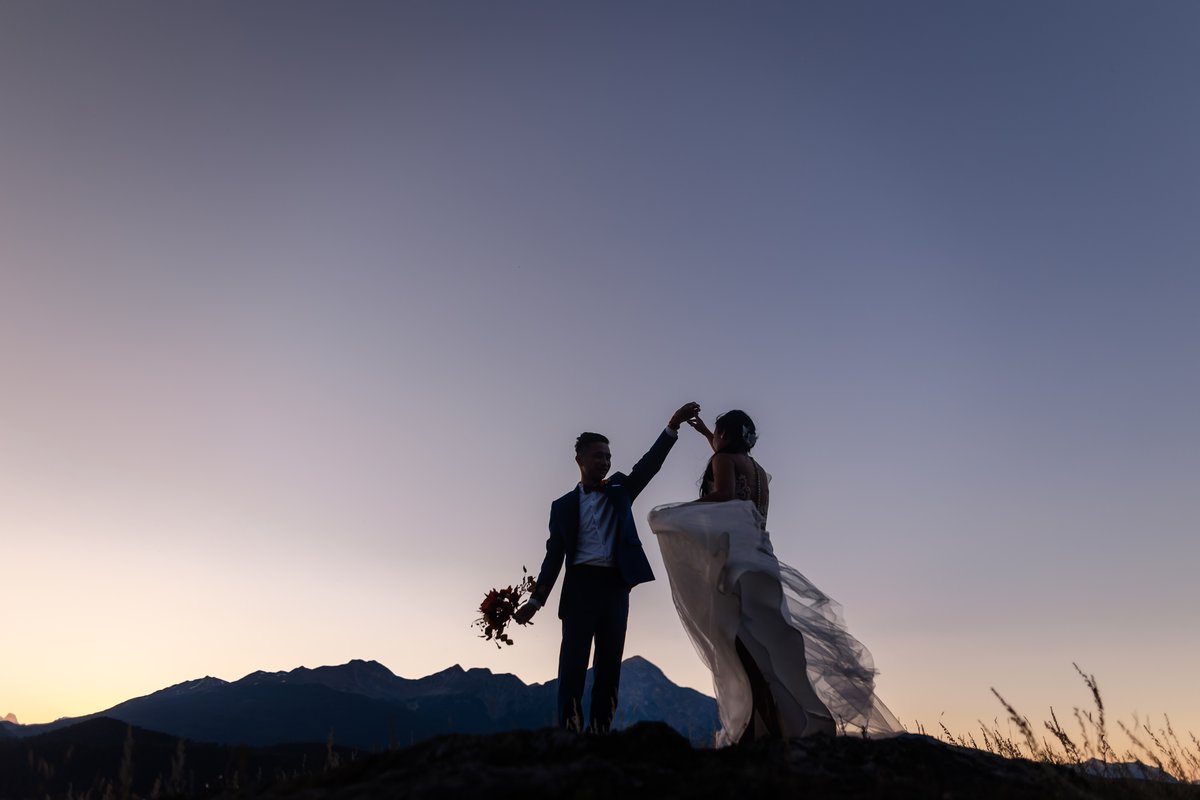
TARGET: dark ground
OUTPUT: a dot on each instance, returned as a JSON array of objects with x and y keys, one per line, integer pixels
[
  {"x": 652, "y": 760},
  {"x": 105, "y": 758}
]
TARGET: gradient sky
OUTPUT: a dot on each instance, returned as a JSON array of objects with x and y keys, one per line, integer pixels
[{"x": 303, "y": 304}]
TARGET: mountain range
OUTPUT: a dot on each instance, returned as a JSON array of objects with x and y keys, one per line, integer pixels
[{"x": 363, "y": 704}]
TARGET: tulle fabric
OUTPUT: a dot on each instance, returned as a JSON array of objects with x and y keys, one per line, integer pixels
[{"x": 727, "y": 583}]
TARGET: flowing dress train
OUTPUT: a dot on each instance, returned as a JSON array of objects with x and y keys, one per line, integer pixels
[{"x": 733, "y": 594}]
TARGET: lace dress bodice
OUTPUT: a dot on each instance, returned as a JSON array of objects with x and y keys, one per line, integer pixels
[
  {"x": 748, "y": 488},
  {"x": 745, "y": 489}
]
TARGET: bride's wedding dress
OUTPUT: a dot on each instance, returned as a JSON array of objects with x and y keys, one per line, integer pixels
[{"x": 730, "y": 590}]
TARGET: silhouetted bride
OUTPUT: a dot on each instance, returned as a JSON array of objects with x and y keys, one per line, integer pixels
[{"x": 783, "y": 663}]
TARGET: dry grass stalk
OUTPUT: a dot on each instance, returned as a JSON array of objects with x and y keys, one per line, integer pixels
[
  {"x": 1161, "y": 749},
  {"x": 1022, "y": 724}
]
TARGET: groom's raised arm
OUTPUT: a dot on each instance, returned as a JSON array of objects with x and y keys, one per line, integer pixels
[{"x": 649, "y": 465}]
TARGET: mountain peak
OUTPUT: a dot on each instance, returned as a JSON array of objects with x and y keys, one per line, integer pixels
[
  {"x": 358, "y": 665},
  {"x": 357, "y": 676},
  {"x": 198, "y": 685},
  {"x": 643, "y": 666},
  {"x": 11, "y": 718},
  {"x": 356, "y": 668}
]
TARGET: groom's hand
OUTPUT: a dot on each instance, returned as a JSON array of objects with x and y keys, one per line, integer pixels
[
  {"x": 685, "y": 412},
  {"x": 525, "y": 614}
]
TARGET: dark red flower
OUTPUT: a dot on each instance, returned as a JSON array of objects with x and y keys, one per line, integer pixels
[{"x": 497, "y": 609}]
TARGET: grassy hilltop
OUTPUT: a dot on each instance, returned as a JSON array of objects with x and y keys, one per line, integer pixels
[{"x": 107, "y": 759}]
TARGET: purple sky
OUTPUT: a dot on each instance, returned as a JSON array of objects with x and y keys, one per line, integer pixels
[{"x": 303, "y": 304}]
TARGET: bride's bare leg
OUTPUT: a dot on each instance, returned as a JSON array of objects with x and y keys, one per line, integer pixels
[
  {"x": 777, "y": 650},
  {"x": 764, "y": 717}
]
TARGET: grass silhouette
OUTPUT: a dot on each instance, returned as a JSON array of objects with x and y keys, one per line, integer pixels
[{"x": 1090, "y": 749}]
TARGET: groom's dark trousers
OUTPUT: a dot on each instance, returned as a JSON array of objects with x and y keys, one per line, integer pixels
[
  {"x": 599, "y": 610},
  {"x": 594, "y": 605}
]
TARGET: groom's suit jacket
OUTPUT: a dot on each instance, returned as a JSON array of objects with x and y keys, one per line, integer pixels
[{"x": 621, "y": 490}]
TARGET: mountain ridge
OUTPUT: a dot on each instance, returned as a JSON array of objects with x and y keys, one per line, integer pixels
[{"x": 364, "y": 704}]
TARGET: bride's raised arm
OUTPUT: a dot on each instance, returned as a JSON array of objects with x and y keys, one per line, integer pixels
[{"x": 702, "y": 429}]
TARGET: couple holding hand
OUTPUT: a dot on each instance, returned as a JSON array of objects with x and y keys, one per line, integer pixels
[{"x": 782, "y": 661}]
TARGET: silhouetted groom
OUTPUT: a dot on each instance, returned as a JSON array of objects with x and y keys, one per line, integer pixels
[{"x": 592, "y": 529}]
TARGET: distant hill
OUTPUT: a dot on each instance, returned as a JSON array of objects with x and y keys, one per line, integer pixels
[
  {"x": 363, "y": 705},
  {"x": 1128, "y": 769}
]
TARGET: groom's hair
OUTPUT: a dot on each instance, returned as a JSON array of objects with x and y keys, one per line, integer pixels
[{"x": 588, "y": 438}]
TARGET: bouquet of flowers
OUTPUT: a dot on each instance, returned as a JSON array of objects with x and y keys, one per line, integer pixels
[{"x": 498, "y": 607}]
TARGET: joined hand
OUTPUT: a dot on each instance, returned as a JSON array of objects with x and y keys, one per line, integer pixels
[{"x": 686, "y": 413}]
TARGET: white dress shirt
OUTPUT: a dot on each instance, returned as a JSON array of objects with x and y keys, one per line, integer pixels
[{"x": 597, "y": 529}]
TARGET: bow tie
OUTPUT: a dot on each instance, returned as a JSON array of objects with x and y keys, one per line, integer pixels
[{"x": 601, "y": 488}]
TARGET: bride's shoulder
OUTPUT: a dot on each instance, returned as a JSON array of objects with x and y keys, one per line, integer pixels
[
  {"x": 762, "y": 470},
  {"x": 744, "y": 462}
]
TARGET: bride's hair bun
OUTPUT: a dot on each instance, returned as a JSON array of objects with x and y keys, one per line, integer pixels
[{"x": 739, "y": 430}]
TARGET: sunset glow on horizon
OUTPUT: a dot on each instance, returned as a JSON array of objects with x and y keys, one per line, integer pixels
[{"x": 302, "y": 306}]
